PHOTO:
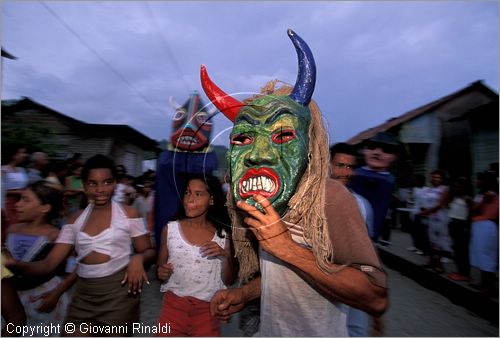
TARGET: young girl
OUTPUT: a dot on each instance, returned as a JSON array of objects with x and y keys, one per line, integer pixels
[
  {"x": 195, "y": 260},
  {"x": 44, "y": 299},
  {"x": 102, "y": 236}
]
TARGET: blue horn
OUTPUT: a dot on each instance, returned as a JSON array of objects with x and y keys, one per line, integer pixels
[{"x": 306, "y": 77}]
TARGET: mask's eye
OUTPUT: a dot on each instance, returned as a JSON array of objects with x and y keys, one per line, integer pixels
[
  {"x": 202, "y": 119},
  {"x": 283, "y": 136},
  {"x": 241, "y": 139},
  {"x": 179, "y": 115}
]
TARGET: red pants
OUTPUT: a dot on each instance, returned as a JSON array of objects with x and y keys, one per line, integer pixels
[{"x": 187, "y": 316}]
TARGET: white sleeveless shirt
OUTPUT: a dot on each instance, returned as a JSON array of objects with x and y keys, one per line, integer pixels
[{"x": 193, "y": 275}]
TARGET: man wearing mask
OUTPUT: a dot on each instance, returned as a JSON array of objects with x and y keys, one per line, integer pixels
[{"x": 300, "y": 240}]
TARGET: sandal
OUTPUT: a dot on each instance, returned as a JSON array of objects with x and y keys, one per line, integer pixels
[
  {"x": 438, "y": 269},
  {"x": 458, "y": 277}
]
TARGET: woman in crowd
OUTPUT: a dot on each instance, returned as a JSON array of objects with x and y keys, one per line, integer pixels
[
  {"x": 14, "y": 179},
  {"x": 195, "y": 260},
  {"x": 435, "y": 200},
  {"x": 484, "y": 232},
  {"x": 102, "y": 235},
  {"x": 459, "y": 227},
  {"x": 56, "y": 175},
  {"x": 43, "y": 298},
  {"x": 74, "y": 188},
  {"x": 418, "y": 230},
  {"x": 144, "y": 200}
]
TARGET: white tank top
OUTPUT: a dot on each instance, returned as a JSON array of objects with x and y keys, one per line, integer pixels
[
  {"x": 193, "y": 275},
  {"x": 292, "y": 308},
  {"x": 458, "y": 209}
]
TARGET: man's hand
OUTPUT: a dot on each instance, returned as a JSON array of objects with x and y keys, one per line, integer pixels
[
  {"x": 268, "y": 227},
  {"x": 227, "y": 302}
]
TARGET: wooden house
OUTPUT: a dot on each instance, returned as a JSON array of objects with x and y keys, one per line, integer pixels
[{"x": 65, "y": 135}]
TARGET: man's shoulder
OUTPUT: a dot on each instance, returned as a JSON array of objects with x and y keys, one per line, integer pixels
[
  {"x": 334, "y": 187},
  {"x": 337, "y": 195}
]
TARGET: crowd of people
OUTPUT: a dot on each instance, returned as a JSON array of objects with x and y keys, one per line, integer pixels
[
  {"x": 20, "y": 169},
  {"x": 447, "y": 221},
  {"x": 454, "y": 219},
  {"x": 67, "y": 232},
  {"x": 90, "y": 230}
]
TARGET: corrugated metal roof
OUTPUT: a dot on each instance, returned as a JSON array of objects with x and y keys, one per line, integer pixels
[{"x": 393, "y": 122}]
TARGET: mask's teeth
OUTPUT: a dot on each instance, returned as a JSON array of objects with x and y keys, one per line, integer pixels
[{"x": 260, "y": 183}]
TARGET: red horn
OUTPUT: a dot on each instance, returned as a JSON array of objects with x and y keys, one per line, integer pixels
[{"x": 228, "y": 105}]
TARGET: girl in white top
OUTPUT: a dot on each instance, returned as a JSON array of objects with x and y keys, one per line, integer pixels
[
  {"x": 195, "y": 260},
  {"x": 102, "y": 236}
]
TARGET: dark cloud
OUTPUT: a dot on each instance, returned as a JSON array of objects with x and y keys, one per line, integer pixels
[{"x": 119, "y": 62}]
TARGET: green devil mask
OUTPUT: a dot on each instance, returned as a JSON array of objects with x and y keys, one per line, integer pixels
[{"x": 269, "y": 142}]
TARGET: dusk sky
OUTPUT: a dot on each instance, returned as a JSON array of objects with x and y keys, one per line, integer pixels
[{"x": 119, "y": 62}]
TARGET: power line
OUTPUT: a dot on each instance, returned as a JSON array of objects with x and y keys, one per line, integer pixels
[
  {"x": 165, "y": 45},
  {"x": 107, "y": 64}
]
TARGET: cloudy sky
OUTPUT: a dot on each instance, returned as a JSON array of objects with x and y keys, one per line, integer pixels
[{"x": 119, "y": 62}]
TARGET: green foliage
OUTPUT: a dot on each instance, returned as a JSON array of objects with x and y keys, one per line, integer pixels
[{"x": 33, "y": 137}]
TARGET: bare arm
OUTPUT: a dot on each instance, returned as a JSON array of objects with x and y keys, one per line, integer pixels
[
  {"x": 51, "y": 298},
  {"x": 12, "y": 308},
  {"x": 212, "y": 249},
  {"x": 163, "y": 269},
  {"x": 163, "y": 252},
  {"x": 144, "y": 254},
  {"x": 348, "y": 285},
  {"x": 143, "y": 248},
  {"x": 68, "y": 281},
  {"x": 44, "y": 267},
  {"x": 229, "y": 301},
  {"x": 142, "y": 244}
]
